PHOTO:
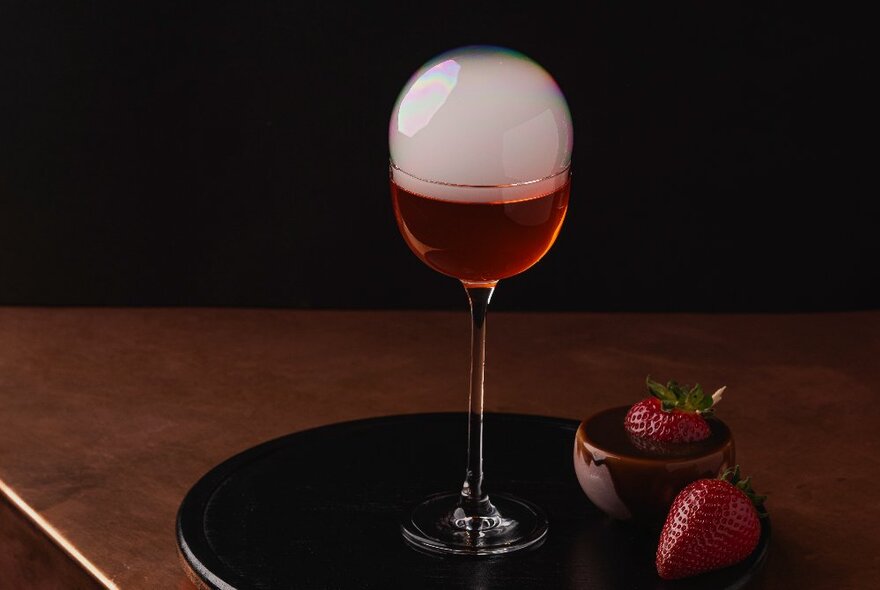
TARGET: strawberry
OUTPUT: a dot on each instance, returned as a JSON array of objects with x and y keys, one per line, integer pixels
[
  {"x": 674, "y": 414},
  {"x": 713, "y": 523}
]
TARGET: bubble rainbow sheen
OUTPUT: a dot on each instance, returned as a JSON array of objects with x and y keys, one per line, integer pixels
[
  {"x": 425, "y": 97},
  {"x": 480, "y": 115}
]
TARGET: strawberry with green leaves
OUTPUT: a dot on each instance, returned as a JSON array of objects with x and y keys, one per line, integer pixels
[
  {"x": 673, "y": 414},
  {"x": 713, "y": 523}
]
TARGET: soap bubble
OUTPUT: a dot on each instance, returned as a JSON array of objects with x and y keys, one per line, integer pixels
[{"x": 480, "y": 116}]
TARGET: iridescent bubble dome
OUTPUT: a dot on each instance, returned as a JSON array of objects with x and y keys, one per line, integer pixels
[{"x": 481, "y": 115}]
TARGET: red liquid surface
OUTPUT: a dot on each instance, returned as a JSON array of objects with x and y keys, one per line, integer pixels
[{"x": 479, "y": 241}]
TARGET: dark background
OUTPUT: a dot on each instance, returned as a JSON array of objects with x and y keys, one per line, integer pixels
[{"x": 235, "y": 154}]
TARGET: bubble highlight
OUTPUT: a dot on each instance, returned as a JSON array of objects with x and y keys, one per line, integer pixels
[{"x": 425, "y": 97}]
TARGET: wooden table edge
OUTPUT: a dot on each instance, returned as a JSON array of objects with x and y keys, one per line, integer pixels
[{"x": 45, "y": 540}]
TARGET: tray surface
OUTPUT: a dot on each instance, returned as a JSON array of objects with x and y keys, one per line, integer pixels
[{"x": 321, "y": 509}]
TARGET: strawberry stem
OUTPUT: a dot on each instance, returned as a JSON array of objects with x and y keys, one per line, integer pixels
[
  {"x": 734, "y": 477},
  {"x": 673, "y": 396}
]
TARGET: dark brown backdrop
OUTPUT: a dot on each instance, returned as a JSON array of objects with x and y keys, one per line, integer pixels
[{"x": 234, "y": 153}]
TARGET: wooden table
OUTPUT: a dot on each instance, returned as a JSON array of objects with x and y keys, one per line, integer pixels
[{"x": 108, "y": 416}]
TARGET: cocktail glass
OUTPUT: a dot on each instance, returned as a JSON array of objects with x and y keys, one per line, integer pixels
[{"x": 480, "y": 173}]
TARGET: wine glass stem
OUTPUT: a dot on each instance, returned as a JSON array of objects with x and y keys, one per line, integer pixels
[{"x": 473, "y": 500}]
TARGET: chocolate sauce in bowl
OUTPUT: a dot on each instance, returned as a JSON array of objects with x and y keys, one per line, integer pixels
[{"x": 634, "y": 479}]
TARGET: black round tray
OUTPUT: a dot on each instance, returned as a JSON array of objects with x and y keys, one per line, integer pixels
[{"x": 321, "y": 509}]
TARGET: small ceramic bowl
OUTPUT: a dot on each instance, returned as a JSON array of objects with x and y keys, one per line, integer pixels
[{"x": 636, "y": 480}]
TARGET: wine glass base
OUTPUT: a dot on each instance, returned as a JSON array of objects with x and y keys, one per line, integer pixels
[{"x": 434, "y": 526}]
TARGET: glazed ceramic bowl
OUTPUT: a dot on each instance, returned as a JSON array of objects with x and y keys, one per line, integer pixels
[{"x": 636, "y": 480}]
